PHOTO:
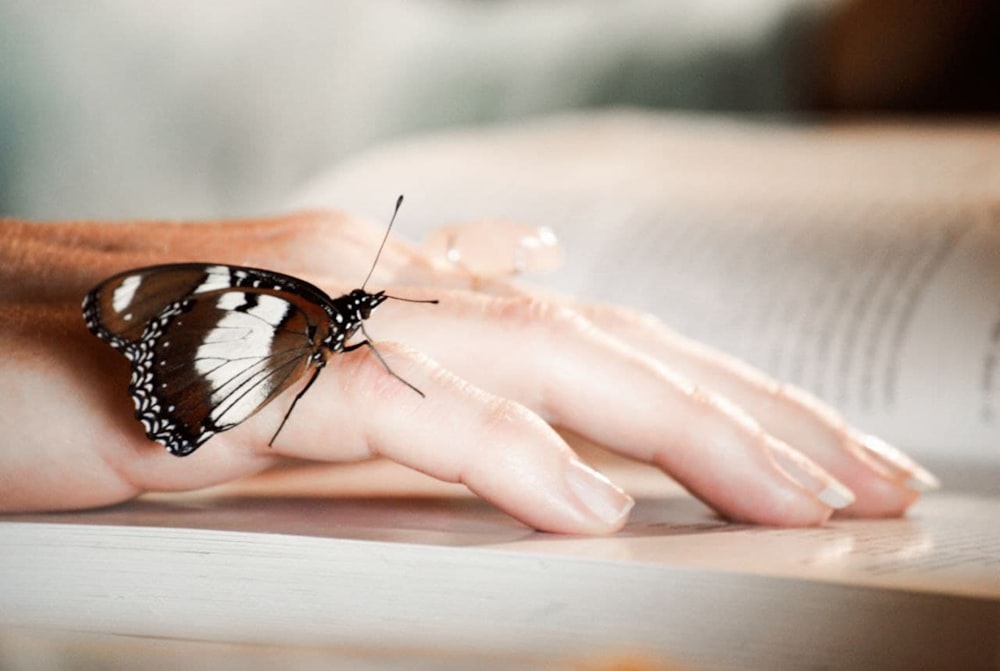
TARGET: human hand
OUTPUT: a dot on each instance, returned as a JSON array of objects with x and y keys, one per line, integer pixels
[{"x": 498, "y": 364}]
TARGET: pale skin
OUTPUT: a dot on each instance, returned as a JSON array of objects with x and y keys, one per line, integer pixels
[{"x": 499, "y": 366}]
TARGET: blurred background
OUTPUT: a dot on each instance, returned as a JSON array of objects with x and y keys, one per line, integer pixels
[{"x": 156, "y": 108}]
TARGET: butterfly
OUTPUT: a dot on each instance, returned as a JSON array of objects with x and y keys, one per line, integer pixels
[{"x": 211, "y": 344}]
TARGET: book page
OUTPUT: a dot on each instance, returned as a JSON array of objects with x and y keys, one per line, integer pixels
[
  {"x": 454, "y": 600},
  {"x": 947, "y": 544},
  {"x": 859, "y": 262},
  {"x": 376, "y": 556}
]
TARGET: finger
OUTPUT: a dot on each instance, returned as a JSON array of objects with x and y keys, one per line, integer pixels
[
  {"x": 559, "y": 364},
  {"x": 455, "y": 432},
  {"x": 885, "y": 481}
]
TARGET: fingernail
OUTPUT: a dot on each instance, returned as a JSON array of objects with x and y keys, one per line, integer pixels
[
  {"x": 914, "y": 476},
  {"x": 598, "y": 494},
  {"x": 826, "y": 488}
]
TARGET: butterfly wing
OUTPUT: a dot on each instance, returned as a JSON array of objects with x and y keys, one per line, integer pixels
[
  {"x": 119, "y": 308},
  {"x": 209, "y": 345}
]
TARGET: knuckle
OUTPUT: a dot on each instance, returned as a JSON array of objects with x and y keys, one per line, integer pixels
[
  {"x": 301, "y": 228},
  {"x": 796, "y": 397},
  {"x": 502, "y": 423},
  {"x": 627, "y": 317},
  {"x": 531, "y": 312},
  {"x": 499, "y": 415},
  {"x": 312, "y": 222},
  {"x": 292, "y": 240}
]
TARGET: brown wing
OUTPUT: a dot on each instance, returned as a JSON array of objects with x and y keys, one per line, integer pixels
[
  {"x": 118, "y": 310},
  {"x": 209, "y": 357}
]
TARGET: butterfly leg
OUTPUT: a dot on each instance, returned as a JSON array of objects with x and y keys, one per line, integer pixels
[
  {"x": 368, "y": 343},
  {"x": 319, "y": 367}
]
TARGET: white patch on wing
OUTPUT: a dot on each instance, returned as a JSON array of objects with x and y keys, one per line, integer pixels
[
  {"x": 218, "y": 278},
  {"x": 270, "y": 309},
  {"x": 123, "y": 295},
  {"x": 231, "y": 300},
  {"x": 235, "y": 355}
]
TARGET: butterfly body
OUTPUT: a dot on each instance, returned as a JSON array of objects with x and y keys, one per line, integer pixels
[{"x": 211, "y": 344}]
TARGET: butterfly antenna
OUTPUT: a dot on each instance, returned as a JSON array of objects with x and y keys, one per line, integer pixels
[
  {"x": 433, "y": 301},
  {"x": 399, "y": 202}
]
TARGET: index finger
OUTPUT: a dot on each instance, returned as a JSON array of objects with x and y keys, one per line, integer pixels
[{"x": 457, "y": 432}]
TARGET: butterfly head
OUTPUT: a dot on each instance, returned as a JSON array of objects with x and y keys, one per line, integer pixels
[{"x": 362, "y": 303}]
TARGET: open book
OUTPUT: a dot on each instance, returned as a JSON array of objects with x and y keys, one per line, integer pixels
[{"x": 860, "y": 262}]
